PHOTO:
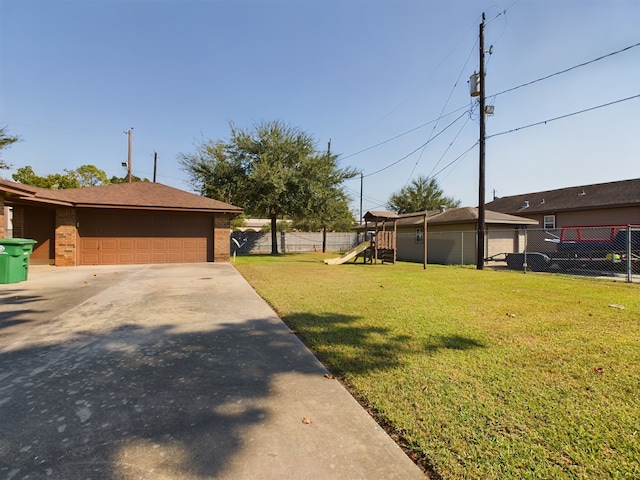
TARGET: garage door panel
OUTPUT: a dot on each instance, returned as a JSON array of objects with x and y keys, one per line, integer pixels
[
  {"x": 112, "y": 237},
  {"x": 159, "y": 244},
  {"x": 143, "y": 257},
  {"x": 120, "y": 244}
]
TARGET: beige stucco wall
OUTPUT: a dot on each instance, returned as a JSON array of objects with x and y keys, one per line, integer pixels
[
  {"x": 602, "y": 216},
  {"x": 456, "y": 244}
]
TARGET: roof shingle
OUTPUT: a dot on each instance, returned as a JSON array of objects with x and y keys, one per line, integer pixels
[
  {"x": 136, "y": 195},
  {"x": 586, "y": 197}
]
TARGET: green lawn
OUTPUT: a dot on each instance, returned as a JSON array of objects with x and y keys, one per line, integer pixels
[{"x": 481, "y": 374}]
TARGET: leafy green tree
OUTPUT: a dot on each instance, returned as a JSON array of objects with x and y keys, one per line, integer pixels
[
  {"x": 6, "y": 141},
  {"x": 89, "y": 176},
  {"x": 272, "y": 170},
  {"x": 238, "y": 222},
  {"x": 281, "y": 226},
  {"x": 84, "y": 176},
  {"x": 115, "y": 179},
  {"x": 55, "y": 181},
  {"x": 422, "y": 194}
]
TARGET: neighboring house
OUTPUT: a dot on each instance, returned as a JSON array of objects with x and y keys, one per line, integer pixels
[
  {"x": 257, "y": 224},
  {"x": 129, "y": 223},
  {"x": 613, "y": 203},
  {"x": 451, "y": 234},
  {"x": 253, "y": 224}
]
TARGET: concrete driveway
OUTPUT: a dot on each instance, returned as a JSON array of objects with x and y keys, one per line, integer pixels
[{"x": 170, "y": 372}]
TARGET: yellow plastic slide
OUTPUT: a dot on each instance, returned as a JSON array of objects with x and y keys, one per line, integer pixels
[{"x": 349, "y": 255}]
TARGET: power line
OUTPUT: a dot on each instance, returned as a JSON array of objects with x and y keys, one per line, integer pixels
[
  {"x": 404, "y": 133},
  {"x": 415, "y": 150},
  {"x": 449, "y": 147},
  {"x": 459, "y": 157},
  {"x": 544, "y": 122},
  {"x": 567, "y": 70},
  {"x": 455, "y": 84}
]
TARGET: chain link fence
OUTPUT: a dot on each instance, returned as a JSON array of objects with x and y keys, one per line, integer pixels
[{"x": 611, "y": 251}]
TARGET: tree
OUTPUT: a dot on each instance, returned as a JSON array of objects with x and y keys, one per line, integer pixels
[
  {"x": 55, "y": 181},
  {"x": 272, "y": 170},
  {"x": 84, "y": 176},
  {"x": 422, "y": 194},
  {"x": 134, "y": 179},
  {"x": 6, "y": 141},
  {"x": 89, "y": 176}
]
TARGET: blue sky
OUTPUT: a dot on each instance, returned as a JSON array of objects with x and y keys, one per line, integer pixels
[{"x": 372, "y": 76}]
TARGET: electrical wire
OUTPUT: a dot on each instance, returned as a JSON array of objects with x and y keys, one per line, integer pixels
[
  {"x": 567, "y": 70},
  {"x": 459, "y": 157},
  {"x": 455, "y": 84},
  {"x": 544, "y": 122},
  {"x": 415, "y": 150},
  {"x": 449, "y": 147},
  {"x": 403, "y": 133}
]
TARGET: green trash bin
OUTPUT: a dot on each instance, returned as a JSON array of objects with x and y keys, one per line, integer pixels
[{"x": 14, "y": 259}]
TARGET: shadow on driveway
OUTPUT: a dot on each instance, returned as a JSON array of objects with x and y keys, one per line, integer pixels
[{"x": 135, "y": 399}]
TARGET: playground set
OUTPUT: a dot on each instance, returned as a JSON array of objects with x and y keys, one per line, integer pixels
[{"x": 381, "y": 230}]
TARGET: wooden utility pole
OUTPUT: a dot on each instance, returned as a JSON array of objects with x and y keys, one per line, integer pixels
[
  {"x": 130, "y": 135},
  {"x": 155, "y": 165},
  {"x": 481, "y": 179},
  {"x": 361, "y": 183}
]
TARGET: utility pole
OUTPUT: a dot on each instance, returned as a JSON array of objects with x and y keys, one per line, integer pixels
[
  {"x": 129, "y": 133},
  {"x": 361, "y": 183},
  {"x": 155, "y": 165},
  {"x": 481, "y": 177}
]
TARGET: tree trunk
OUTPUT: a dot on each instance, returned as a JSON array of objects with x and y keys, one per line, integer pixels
[
  {"x": 324, "y": 239},
  {"x": 274, "y": 234}
]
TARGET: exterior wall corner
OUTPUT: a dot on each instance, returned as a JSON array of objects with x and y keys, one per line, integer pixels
[
  {"x": 221, "y": 237},
  {"x": 66, "y": 237}
]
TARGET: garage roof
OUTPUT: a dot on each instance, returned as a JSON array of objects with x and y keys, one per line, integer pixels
[{"x": 136, "y": 195}]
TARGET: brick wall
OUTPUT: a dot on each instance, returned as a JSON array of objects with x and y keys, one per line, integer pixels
[
  {"x": 66, "y": 237},
  {"x": 221, "y": 232}
]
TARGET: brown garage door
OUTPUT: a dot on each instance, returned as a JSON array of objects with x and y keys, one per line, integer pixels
[{"x": 113, "y": 237}]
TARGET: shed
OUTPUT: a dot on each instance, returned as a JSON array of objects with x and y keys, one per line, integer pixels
[{"x": 451, "y": 234}]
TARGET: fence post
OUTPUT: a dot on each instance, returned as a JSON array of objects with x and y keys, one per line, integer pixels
[
  {"x": 282, "y": 244},
  {"x": 628, "y": 249}
]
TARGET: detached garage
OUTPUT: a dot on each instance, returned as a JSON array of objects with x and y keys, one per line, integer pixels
[{"x": 130, "y": 223}]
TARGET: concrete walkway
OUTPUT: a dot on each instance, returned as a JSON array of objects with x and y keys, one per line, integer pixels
[{"x": 170, "y": 372}]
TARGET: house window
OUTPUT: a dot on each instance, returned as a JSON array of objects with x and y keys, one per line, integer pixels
[
  {"x": 549, "y": 222},
  {"x": 419, "y": 235}
]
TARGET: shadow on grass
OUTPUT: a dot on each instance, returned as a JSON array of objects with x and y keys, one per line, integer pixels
[
  {"x": 346, "y": 345},
  {"x": 453, "y": 342}
]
